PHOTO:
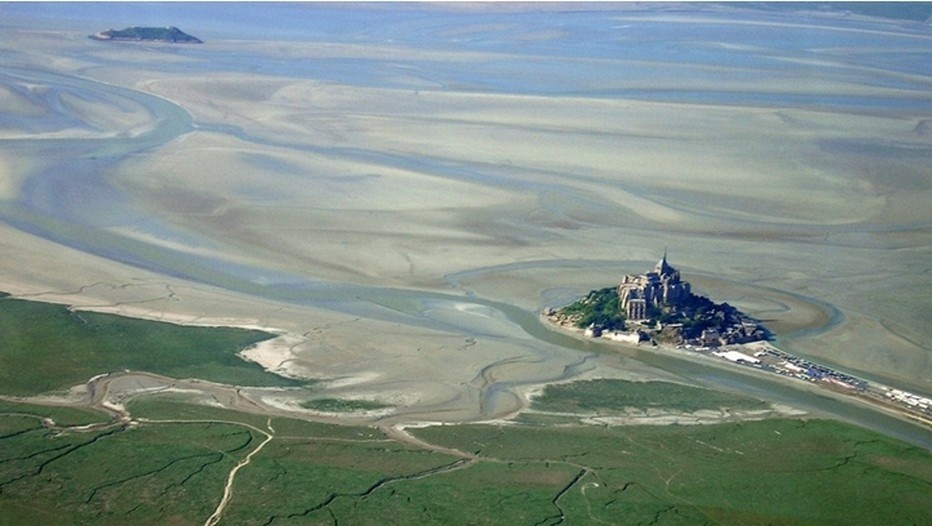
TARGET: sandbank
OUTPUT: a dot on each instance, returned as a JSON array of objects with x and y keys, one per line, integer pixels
[{"x": 423, "y": 176}]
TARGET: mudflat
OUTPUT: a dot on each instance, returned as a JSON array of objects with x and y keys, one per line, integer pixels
[{"x": 394, "y": 207}]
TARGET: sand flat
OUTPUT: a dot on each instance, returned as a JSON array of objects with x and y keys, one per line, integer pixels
[{"x": 429, "y": 181}]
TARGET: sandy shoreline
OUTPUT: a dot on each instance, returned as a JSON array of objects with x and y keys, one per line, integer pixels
[
  {"x": 249, "y": 167},
  {"x": 749, "y": 349},
  {"x": 431, "y": 402}
]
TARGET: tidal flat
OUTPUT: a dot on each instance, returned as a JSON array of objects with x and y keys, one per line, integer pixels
[
  {"x": 332, "y": 179},
  {"x": 396, "y": 190}
]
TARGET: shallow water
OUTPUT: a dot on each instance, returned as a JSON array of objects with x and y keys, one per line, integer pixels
[{"x": 74, "y": 200}]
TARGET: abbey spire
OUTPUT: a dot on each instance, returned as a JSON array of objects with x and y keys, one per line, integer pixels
[
  {"x": 642, "y": 295},
  {"x": 663, "y": 268}
]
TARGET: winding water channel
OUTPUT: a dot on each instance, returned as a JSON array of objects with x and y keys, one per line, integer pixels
[{"x": 71, "y": 201}]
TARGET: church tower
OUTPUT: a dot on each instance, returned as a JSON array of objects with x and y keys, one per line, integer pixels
[
  {"x": 663, "y": 267},
  {"x": 654, "y": 289}
]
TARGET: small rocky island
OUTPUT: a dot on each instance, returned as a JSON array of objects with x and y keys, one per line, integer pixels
[
  {"x": 659, "y": 306},
  {"x": 171, "y": 35}
]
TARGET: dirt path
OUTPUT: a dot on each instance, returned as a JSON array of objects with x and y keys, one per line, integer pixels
[
  {"x": 228, "y": 489},
  {"x": 398, "y": 433}
]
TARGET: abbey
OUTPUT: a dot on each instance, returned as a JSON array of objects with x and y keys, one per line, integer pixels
[{"x": 661, "y": 287}]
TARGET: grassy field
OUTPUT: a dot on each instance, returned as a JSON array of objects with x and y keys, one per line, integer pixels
[
  {"x": 766, "y": 472},
  {"x": 68, "y": 465},
  {"x": 163, "y": 407},
  {"x": 341, "y": 405},
  {"x": 306, "y": 480},
  {"x": 612, "y": 396},
  {"x": 152, "y": 474},
  {"x": 65, "y": 416},
  {"x": 46, "y": 347}
]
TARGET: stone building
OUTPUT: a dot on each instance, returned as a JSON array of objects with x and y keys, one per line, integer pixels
[{"x": 661, "y": 287}]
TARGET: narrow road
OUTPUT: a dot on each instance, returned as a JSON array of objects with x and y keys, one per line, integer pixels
[
  {"x": 228, "y": 489},
  {"x": 398, "y": 433}
]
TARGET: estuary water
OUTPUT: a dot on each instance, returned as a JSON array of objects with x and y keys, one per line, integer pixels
[
  {"x": 70, "y": 202},
  {"x": 73, "y": 200}
]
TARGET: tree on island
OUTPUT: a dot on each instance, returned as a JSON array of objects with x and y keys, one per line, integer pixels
[{"x": 600, "y": 308}]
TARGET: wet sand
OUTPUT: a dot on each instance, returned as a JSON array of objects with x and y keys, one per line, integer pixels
[{"x": 385, "y": 224}]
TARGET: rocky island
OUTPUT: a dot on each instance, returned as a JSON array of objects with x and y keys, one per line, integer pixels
[
  {"x": 659, "y": 306},
  {"x": 170, "y": 34}
]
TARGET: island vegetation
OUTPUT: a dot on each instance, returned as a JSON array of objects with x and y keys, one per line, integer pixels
[
  {"x": 600, "y": 308},
  {"x": 658, "y": 305},
  {"x": 169, "y": 34},
  {"x": 661, "y": 308}
]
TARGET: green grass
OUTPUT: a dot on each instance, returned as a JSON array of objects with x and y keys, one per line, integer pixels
[
  {"x": 545, "y": 419},
  {"x": 294, "y": 479},
  {"x": 342, "y": 405},
  {"x": 291, "y": 428},
  {"x": 484, "y": 493},
  {"x": 65, "y": 416},
  {"x": 167, "y": 407},
  {"x": 173, "y": 406},
  {"x": 767, "y": 472},
  {"x": 153, "y": 474},
  {"x": 46, "y": 347},
  {"x": 600, "y": 307},
  {"x": 607, "y": 396}
]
